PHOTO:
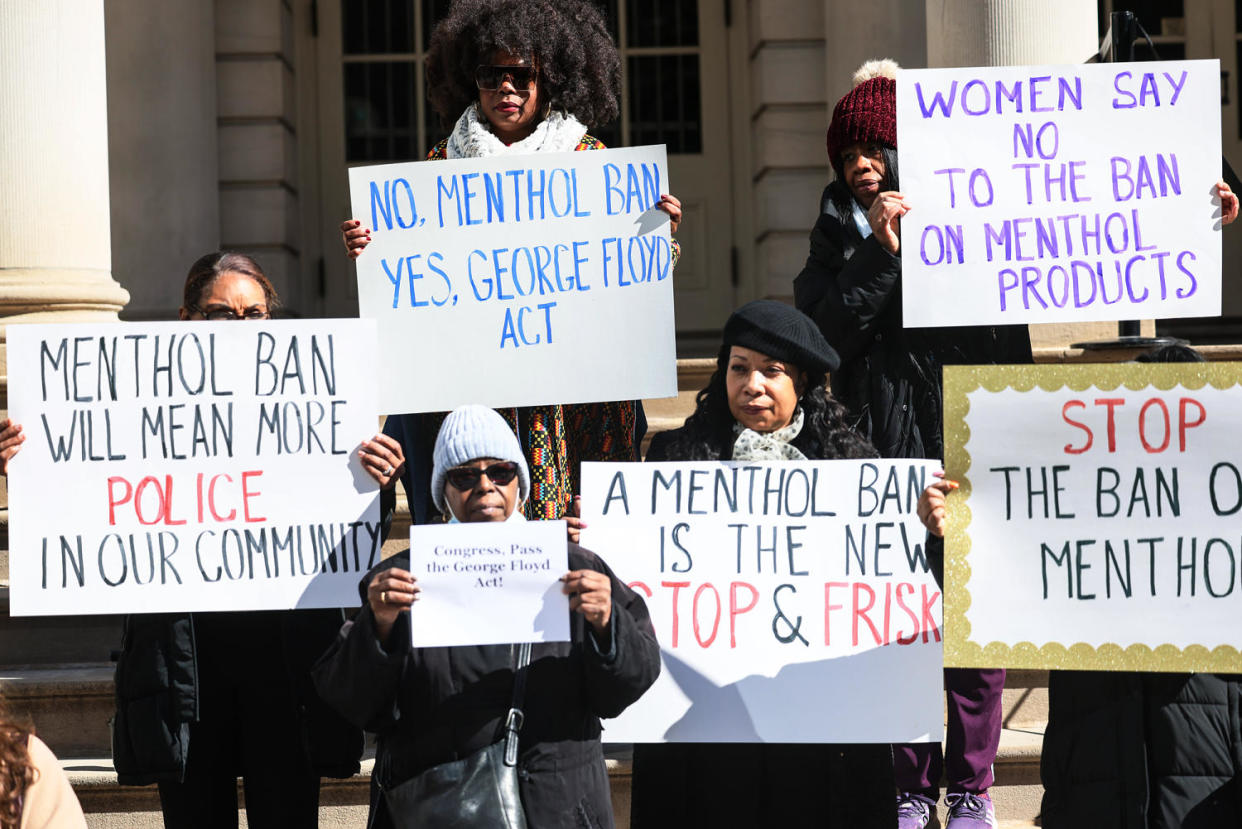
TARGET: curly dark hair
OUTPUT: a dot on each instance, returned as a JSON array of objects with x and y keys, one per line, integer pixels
[
  {"x": 567, "y": 40},
  {"x": 16, "y": 771},
  {"x": 826, "y": 432}
]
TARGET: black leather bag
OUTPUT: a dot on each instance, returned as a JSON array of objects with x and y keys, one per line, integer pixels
[{"x": 474, "y": 792}]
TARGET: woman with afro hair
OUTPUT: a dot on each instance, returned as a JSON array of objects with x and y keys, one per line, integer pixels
[{"x": 517, "y": 77}]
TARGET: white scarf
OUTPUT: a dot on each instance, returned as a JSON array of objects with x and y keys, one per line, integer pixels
[
  {"x": 472, "y": 138},
  {"x": 768, "y": 446}
]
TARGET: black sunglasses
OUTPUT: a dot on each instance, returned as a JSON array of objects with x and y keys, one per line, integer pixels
[
  {"x": 467, "y": 477},
  {"x": 493, "y": 77},
  {"x": 220, "y": 314}
]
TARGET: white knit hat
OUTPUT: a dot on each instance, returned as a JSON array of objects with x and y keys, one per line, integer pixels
[{"x": 469, "y": 433}]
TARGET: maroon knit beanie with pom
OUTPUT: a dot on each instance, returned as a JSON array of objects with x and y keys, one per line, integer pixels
[{"x": 866, "y": 114}]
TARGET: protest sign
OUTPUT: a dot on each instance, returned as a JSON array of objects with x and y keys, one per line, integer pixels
[
  {"x": 1060, "y": 193},
  {"x": 489, "y": 583},
  {"x": 191, "y": 466},
  {"x": 543, "y": 278},
  {"x": 1097, "y": 522},
  {"x": 792, "y": 601}
]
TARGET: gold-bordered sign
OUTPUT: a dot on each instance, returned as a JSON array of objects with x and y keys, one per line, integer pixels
[{"x": 963, "y": 646}]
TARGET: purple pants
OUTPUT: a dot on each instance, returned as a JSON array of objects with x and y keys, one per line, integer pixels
[{"x": 972, "y": 735}]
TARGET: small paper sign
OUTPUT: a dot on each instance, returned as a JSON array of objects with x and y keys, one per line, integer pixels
[{"x": 489, "y": 583}]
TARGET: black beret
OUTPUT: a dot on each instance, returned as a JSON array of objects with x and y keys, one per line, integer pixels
[{"x": 783, "y": 333}]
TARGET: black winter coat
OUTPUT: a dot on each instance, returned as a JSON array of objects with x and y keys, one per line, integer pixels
[
  {"x": 1142, "y": 751},
  {"x": 890, "y": 376},
  {"x": 689, "y": 785},
  {"x": 435, "y": 705},
  {"x": 157, "y": 689}
]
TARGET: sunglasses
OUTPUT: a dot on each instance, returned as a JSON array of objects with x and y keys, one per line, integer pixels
[
  {"x": 493, "y": 77},
  {"x": 219, "y": 314},
  {"x": 467, "y": 477}
]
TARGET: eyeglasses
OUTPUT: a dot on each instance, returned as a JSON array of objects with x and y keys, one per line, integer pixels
[
  {"x": 493, "y": 77},
  {"x": 467, "y": 477},
  {"x": 228, "y": 314}
]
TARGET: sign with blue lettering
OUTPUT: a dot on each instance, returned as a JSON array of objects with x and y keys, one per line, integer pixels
[
  {"x": 191, "y": 466},
  {"x": 1060, "y": 193},
  {"x": 793, "y": 602},
  {"x": 518, "y": 280}
]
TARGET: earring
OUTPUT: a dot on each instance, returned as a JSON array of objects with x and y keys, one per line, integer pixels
[{"x": 547, "y": 110}]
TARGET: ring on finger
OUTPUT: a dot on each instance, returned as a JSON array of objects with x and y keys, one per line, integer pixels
[
  {"x": 388, "y": 471},
  {"x": 383, "y": 597}
]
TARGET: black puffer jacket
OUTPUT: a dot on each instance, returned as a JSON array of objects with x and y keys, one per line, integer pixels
[
  {"x": 157, "y": 689},
  {"x": 435, "y": 705},
  {"x": 1142, "y": 751},
  {"x": 890, "y": 376}
]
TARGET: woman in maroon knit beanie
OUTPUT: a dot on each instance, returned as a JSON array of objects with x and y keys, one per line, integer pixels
[{"x": 890, "y": 379}]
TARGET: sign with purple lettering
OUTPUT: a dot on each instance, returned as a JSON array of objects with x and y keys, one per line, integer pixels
[
  {"x": 191, "y": 466},
  {"x": 1060, "y": 193},
  {"x": 519, "y": 280},
  {"x": 1096, "y": 522},
  {"x": 793, "y": 602}
]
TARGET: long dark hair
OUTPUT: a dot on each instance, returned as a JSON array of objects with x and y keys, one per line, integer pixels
[
  {"x": 568, "y": 40},
  {"x": 840, "y": 193},
  {"x": 826, "y": 433}
]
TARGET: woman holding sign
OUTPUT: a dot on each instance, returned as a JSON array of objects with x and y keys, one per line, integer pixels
[
  {"x": 766, "y": 401},
  {"x": 205, "y": 698},
  {"x": 516, "y": 77},
  {"x": 432, "y": 706},
  {"x": 890, "y": 380}
]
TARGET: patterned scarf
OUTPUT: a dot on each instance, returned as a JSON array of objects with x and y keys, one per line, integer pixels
[
  {"x": 768, "y": 446},
  {"x": 472, "y": 138}
]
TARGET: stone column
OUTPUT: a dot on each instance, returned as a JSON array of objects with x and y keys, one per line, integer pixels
[
  {"x": 55, "y": 247},
  {"x": 1010, "y": 32},
  {"x": 1017, "y": 33}
]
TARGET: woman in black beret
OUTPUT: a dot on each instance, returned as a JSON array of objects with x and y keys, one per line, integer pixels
[{"x": 766, "y": 401}]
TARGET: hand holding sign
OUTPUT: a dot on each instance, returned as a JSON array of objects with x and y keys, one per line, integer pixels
[
  {"x": 1228, "y": 202},
  {"x": 590, "y": 593},
  {"x": 884, "y": 216},
  {"x": 931, "y": 507},
  {"x": 391, "y": 592},
  {"x": 383, "y": 460},
  {"x": 11, "y": 439}
]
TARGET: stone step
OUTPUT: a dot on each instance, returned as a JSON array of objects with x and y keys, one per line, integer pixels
[
  {"x": 343, "y": 803},
  {"x": 55, "y": 640},
  {"x": 69, "y": 705}
]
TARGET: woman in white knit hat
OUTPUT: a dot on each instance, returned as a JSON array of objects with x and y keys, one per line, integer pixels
[{"x": 430, "y": 706}]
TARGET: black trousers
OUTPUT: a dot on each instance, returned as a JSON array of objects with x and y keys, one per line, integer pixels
[{"x": 249, "y": 726}]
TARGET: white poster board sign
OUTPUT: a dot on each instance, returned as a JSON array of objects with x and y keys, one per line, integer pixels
[
  {"x": 791, "y": 600},
  {"x": 1060, "y": 193},
  {"x": 542, "y": 278},
  {"x": 1097, "y": 524},
  {"x": 489, "y": 583},
  {"x": 191, "y": 466}
]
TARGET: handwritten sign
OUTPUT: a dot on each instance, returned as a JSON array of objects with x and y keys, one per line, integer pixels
[
  {"x": 489, "y": 583},
  {"x": 1097, "y": 525},
  {"x": 1060, "y": 193},
  {"x": 191, "y": 466},
  {"x": 543, "y": 278},
  {"x": 792, "y": 601}
]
